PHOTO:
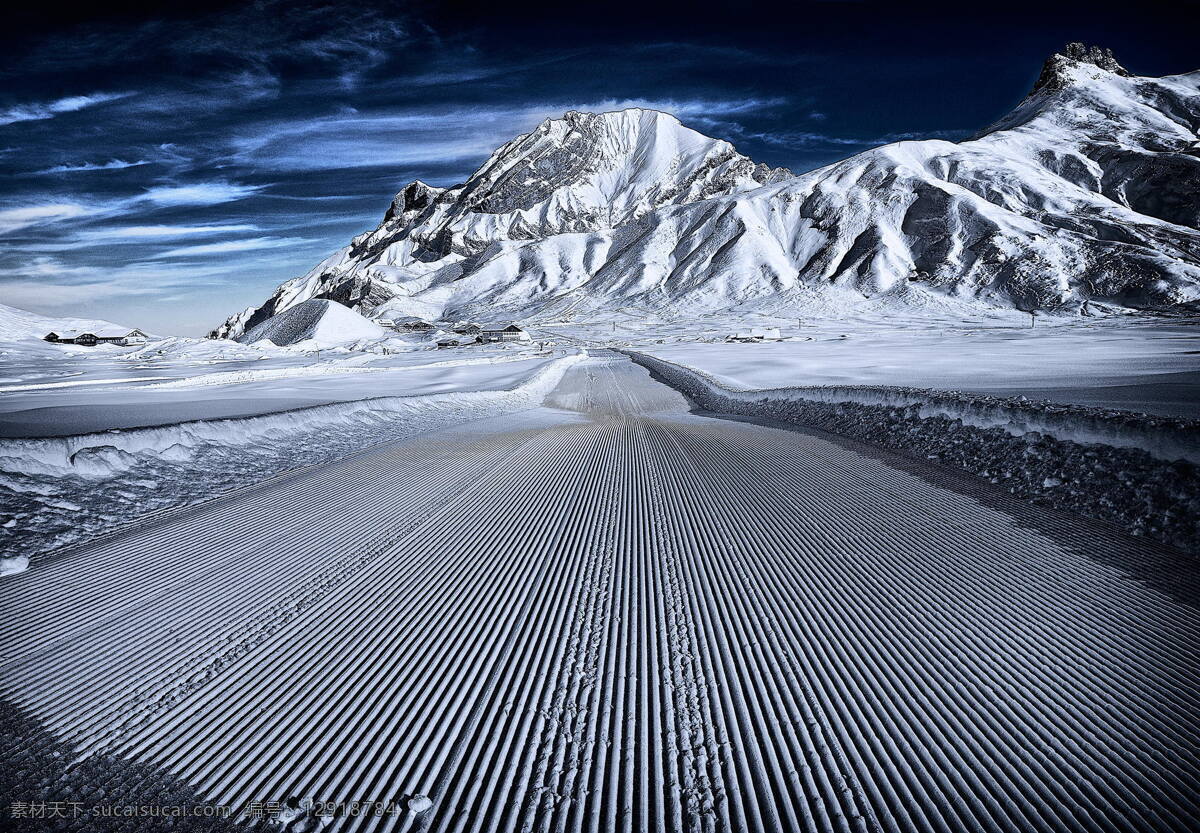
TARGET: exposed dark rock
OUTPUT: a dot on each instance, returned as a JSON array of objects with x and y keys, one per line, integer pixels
[{"x": 1054, "y": 74}]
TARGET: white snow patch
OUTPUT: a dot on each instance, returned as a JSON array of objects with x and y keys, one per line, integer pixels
[
  {"x": 420, "y": 804},
  {"x": 11, "y": 565}
]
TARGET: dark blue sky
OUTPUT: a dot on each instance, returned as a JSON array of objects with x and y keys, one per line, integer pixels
[{"x": 167, "y": 169}]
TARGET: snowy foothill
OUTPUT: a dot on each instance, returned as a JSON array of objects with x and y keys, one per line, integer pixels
[
  {"x": 18, "y": 325},
  {"x": 315, "y": 323}
]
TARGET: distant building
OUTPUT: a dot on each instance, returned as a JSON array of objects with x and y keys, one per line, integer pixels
[
  {"x": 466, "y": 328},
  {"x": 109, "y": 336},
  {"x": 409, "y": 324},
  {"x": 455, "y": 341},
  {"x": 757, "y": 334},
  {"x": 502, "y": 331}
]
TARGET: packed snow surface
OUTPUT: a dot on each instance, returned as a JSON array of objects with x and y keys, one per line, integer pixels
[
  {"x": 55, "y": 389},
  {"x": 13, "y": 564}
]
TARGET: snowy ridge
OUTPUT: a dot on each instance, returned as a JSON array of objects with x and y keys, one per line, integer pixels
[
  {"x": 1085, "y": 194},
  {"x": 1137, "y": 470}
]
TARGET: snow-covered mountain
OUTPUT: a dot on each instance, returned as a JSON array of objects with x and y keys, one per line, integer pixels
[{"x": 1088, "y": 191}]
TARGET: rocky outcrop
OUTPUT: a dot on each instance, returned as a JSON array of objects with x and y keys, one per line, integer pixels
[{"x": 1056, "y": 73}]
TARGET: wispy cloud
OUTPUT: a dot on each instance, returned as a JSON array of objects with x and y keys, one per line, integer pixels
[
  {"x": 705, "y": 107},
  {"x": 50, "y": 282},
  {"x": 50, "y": 109},
  {"x": 351, "y": 139},
  {"x": 42, "y": 212},
  {"x": 809, "y": 140},
  {"x": 201, "y": 193},
  {"x": 14, "y": 219},
  {"x": 110, "y": 165},
  {"x": 228, "y": 246},
  {"x": 144, "y": 233}
]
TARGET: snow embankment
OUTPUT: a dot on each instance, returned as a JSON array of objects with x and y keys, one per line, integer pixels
[
  {"x": 1136, "y": 470},
  {"x": 63, "y": 490}
]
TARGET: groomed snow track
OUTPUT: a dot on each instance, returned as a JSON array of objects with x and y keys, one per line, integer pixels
[{"x": 610, "y": 614}]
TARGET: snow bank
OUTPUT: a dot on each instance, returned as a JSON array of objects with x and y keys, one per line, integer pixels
[
  {"x": 315, "y": 323},
  {"x": 355, "y": 364},
  {"x": 61, "y": 490},
  {"x": 1137, "y": 470}
]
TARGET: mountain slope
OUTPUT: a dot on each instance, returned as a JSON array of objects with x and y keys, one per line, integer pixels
[
  {"x": 1086, "y": 192},
  {"x": 324, "y": 323}
]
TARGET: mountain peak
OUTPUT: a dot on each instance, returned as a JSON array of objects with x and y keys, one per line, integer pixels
[
  {"x": 1057, "y": 71},
  {"x": 412, "y": 199}
]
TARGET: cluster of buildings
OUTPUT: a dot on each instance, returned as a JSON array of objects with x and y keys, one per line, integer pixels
[
  {"x": 88, "y": 339},
  {"x": 756, "y": 334},
  {"x": 464, "y": 332}
]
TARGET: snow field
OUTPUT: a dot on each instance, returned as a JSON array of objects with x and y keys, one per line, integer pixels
[
  {"x": 623, "y": 617},
  {"x": 56, "y": 491},
  {"x": 1136, "y": 470}
]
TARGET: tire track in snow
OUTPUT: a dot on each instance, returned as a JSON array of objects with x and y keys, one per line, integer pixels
[{"x": 617, "y": 616}]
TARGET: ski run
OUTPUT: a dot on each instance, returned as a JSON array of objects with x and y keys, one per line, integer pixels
[{"x": 613, "y": 613}]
